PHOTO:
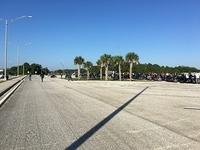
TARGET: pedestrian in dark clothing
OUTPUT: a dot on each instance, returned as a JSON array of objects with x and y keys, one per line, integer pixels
[
  {"x": 66, "y": 76},
  {"x": 30, "y": 77},
  {"x": 42, "y": 76},
  {"x": 61, "y": 75},
  {"x": 69, "y": 78}
]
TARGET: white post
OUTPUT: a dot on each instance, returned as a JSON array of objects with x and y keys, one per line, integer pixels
[
  {"x": 120, "y": 74},
  {"x": 131, "y": 68},
  {"x": 23, "y": 69}
]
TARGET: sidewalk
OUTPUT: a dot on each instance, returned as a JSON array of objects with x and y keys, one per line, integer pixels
[
  {"x": 5, "y": 85},
  {"x": 10, "y": 78}
]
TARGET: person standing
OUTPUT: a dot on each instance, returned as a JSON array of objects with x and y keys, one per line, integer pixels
[
  {"x": 42, "y": 76},
  {"x": 29, "y": 76},
  {"x": 61, "y": 75}
]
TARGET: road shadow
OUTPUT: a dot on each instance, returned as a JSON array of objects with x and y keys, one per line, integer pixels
[{"x": 93, "y": 130}]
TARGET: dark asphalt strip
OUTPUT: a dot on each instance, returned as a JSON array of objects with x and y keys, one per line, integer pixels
[{"x": 192, "y": 108}]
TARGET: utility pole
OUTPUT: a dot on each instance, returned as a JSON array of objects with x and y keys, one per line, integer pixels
[
  {"x": 5, "y": 49},
  {"x": 18, "y": 61},
  {"x": 6, "y": 41}
]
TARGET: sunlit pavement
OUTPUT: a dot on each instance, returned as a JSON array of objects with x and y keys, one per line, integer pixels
[{"x": 58, "y": 114}]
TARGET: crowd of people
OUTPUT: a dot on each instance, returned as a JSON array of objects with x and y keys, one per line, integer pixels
[
  {"x": 169, "y": 77},
  {"x": 182, "y": 78}
]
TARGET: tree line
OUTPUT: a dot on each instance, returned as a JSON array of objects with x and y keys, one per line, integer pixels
[
  {"x": 128, "y": 64},
  {"x": 27, "y": 68}
]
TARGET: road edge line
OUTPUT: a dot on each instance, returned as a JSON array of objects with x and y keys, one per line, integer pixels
[
  {"x": 11, "y": 92},
  {"x": 7, "y": 89}
]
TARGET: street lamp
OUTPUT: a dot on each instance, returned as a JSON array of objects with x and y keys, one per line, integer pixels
[
  {"x": 18, "y": 61},
  {"x": 6, "y": 41},
  {"x": 18, "y": 58}
]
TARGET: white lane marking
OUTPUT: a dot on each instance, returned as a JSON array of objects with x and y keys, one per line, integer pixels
[
  {"x": 175, "y": 146},
  {"x": 172, "y": 122},
  {"x": 10, "y": 92},
  {"x": 157, "y": 127},
  {"x": 142, "y": 130}
]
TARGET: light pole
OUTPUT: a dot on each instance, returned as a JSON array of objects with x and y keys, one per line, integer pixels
[
  {"x": 63, "y": 70},
  {"x": 6, "y": 41},
  {"x": 18, "y": 61},
  {"x": 18, "y": 49},
  {"x": 5, "y": 50},
  {"x": 23, "y": 69}
]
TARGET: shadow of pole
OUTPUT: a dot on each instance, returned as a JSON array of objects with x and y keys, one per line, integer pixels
[
  {"x": 192, "y": 108},
  {"x": 93, "y": 130}
]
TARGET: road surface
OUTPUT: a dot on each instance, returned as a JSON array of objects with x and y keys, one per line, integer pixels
[{"x": 90, "y": 115}]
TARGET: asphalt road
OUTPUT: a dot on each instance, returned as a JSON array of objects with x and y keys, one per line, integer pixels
[{"x": 58, "y": 114}]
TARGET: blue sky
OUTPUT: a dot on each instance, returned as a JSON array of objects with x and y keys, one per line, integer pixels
[{"x": 166, "y": 32}]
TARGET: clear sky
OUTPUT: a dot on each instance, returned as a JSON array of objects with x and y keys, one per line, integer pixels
[{"x": 166, "y": 32}]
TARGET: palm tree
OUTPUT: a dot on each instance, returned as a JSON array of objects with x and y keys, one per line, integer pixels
[
  {"x": 88, "y": 65},
  {"x": 106, "y": 61},
  {"x": 78, "y": 60},
  {"x": 100, "y": 63},
  {"x": 118, "y": 60},
  {"x": 132, "y": 58}
]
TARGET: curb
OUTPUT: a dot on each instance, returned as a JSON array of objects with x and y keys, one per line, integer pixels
[
  {"x": 18, "y": 83},
  {"x": 7, "y": 89}
]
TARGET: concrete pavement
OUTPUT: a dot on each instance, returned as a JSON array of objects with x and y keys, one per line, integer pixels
[
  {"x": 58, "y": 114},
  {"x": 5, "y": 85}
]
